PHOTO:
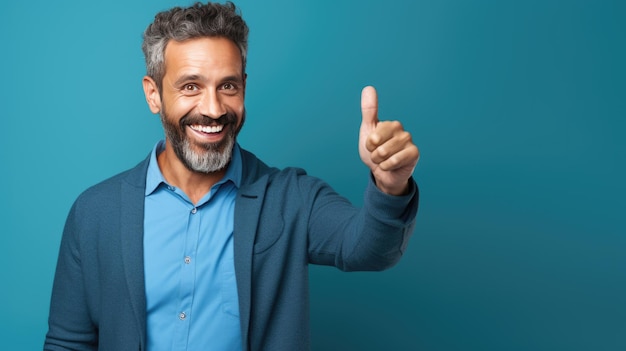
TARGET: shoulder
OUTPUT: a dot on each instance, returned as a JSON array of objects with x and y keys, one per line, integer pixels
[
  {"x": 113, "y": 188},
  {"x": 258, "y": 173}
]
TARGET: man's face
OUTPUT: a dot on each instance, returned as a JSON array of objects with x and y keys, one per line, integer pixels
[{"x": 202, "y": 101}]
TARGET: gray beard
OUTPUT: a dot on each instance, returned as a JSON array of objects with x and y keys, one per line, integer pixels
[
  {"x": 211, "y": 158},
  {"x": 209, "y": 161}
]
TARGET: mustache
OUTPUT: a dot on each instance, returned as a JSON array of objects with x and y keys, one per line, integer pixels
[{"x": 195, "y": 118}]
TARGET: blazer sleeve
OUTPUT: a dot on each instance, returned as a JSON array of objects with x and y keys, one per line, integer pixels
[
  {"x": 370, "y": 238},
  {"x": 69, "y": 324}
]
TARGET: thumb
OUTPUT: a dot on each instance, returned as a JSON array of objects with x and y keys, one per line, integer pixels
[{"x": 369, "y": 107}]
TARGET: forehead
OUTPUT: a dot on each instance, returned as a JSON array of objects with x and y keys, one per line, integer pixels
[{"x": 209, "y": 55}]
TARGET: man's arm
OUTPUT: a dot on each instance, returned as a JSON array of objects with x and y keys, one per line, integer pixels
[
  {"x": 374, "y": 237},
  {"x": 371, "y": 238},
  {"x": 70, "y": 327}
]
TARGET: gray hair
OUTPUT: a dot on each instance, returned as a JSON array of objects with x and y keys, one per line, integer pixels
[{"x": 197, "y": 21}]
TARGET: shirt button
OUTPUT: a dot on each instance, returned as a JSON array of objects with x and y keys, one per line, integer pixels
[
  {"x": 182, "y": 316},
  {"x": 194, "y": 210},
  {"x": 187, "y": 259}
]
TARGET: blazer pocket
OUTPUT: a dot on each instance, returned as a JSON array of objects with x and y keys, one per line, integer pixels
[{"x": 268, "y": 233}]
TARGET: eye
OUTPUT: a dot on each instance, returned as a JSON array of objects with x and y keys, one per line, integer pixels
[
  {"x": 228, "y": 86},
  {"x": 190, "y": 87}
]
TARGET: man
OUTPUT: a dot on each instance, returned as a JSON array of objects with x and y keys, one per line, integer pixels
[{"x": 202, "y": 246}]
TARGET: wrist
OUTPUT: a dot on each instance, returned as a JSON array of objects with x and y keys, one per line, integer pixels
[{"x": 393, "y": 190}]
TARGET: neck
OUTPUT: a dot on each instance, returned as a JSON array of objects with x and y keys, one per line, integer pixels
[{"x": 194, "y": 184}]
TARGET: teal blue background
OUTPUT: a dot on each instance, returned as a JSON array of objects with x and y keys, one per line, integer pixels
[{"x": 518, "y": 108}]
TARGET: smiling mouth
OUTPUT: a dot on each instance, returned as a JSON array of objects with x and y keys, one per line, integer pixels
[{"x": 207, "y": 129}]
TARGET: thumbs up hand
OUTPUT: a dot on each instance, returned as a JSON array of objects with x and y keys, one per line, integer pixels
[{"x": 385, "y": 147}]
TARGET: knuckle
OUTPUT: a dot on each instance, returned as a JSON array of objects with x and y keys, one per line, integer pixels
[
  {"x": 415, "y": 150},
  {"x": 374, "y": 157},
  {"x": 383, "y": 166},
  {"x": 382, "y": 151},
  {"x": 405, "y": 137},
  {"x": 392, "y": 162},
  {"x": 373, "y": 139}
]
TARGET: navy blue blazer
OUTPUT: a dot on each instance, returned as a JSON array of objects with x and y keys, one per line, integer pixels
[{"x": 284, "y": 220}]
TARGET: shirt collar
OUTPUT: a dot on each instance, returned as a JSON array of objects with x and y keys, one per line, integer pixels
[{"x": 154, "y": 177}]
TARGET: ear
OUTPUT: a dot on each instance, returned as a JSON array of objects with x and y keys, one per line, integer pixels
[
  {"x": 245, "y": 78},
  {"x": 153, "y": 98}
]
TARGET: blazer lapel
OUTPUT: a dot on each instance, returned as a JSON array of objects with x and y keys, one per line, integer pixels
[
  {"x": 131, "y": 231},
  {"x": 247, "y": 211}
]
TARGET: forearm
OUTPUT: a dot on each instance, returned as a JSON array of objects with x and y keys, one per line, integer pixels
[
  {"x": 388, "y": 222},
  {"x": 373, "y": 237}
]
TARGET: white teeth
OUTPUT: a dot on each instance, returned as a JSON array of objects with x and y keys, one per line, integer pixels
[{"x": 208, "y": 129}]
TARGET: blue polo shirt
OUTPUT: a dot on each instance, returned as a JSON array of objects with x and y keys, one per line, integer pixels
[{"x": 191, "y": 291}]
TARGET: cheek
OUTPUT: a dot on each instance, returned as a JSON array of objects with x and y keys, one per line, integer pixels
[
  {"x": 237, "y": 106},
  {"x": 177, "y": 108},
  {"x": 240, "y": 112}
]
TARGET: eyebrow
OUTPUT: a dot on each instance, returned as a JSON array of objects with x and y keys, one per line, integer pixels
[
  {"x": 196, "y": 77},
  {"x": 232, "y": 79},
  {"x": 187, "y": 78}
]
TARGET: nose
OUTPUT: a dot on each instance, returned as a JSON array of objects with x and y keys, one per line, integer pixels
[{"x": 211, "y": 105}]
